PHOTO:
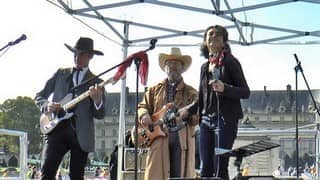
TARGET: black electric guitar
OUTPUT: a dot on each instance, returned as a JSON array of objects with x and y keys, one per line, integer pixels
[{"x": 49, "y": 120}]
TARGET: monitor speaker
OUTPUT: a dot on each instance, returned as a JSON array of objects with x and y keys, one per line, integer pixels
[{"x": 129, "y": 159}]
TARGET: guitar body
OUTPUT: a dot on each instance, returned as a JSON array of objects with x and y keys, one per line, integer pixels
[
  {"x": 49, "y": 120},
  {"x": 146, "y": 135}
]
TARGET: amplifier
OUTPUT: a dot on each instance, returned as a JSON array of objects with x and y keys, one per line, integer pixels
[
  {"x": 129, "y": 175},
  {"x": 129, "y": 158}
]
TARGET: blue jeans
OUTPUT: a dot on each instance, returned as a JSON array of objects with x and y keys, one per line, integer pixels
[{"x": 212, "y": 165}]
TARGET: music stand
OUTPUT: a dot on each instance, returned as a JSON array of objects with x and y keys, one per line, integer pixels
[{"x": 248, "y": 150}]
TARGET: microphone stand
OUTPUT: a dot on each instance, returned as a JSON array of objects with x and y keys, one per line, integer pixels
[
  {"x": 217, "y": 131},
  {"x": 96, "y": 77},
  {"x": 11, "y": 43},
  {"x": 137, "y": 63},
  {"x": 4, "y": 47},
  {"x": 297, "y": 69}
]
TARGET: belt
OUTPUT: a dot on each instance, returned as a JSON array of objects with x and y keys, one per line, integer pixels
[
  {"x": 177, "y": 127},
  {"x": 211, "y": 121}
]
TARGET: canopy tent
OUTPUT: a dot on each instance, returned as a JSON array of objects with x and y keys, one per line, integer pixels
[
  {"x": 232, "y": 14},
  {"x": 130, "y": 23}
]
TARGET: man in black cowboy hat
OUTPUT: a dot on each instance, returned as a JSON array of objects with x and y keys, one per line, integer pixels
[{"x": 76, "y": 133}]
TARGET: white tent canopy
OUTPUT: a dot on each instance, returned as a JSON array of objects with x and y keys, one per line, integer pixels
[{"x": 161, "y": 23}]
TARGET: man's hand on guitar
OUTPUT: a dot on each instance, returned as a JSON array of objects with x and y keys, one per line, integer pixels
[
  {"x": 53, "y": 107},
  {"x": 146, "y": 120},
  {"x": 182, "y": 114},
  {"x": 96, "y": 93}
]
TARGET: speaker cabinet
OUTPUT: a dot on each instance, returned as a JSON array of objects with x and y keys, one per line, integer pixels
[
  {"x": 129, "y": 175},
  {"x": 129, "y": 159}
]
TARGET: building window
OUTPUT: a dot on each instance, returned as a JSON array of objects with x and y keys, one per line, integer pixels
[
  {"x": 103, "y": 144},
  {"x": 114, "y": 121},
  {"x": 114, "y": 142},
  {"x": 275, "y": 119},
  {"x": 114, "y": 132},
  {"x": 281, "y": 118},
  {"x": 114, "y": 111},
  {"x": 256, "y": 118},
  {"x": 103, "y": 132},
  {"x": 269, "y": 118}
]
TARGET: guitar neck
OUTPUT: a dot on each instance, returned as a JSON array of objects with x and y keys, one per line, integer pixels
[{"x": 84, "y": 95}]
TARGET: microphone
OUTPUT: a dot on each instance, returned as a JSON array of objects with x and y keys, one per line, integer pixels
[
  {"x": 22, "y": 37},
  {"x": 153, "y": 43},
  {"x": 215, "y": 74},
  {"x": 298, "y": 67},
  {"x": 296, "y": 57}
]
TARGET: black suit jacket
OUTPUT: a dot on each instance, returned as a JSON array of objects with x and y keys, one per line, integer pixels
[
  {"x": 235, "y": 88},
  {"x": 85, "y": 112}
]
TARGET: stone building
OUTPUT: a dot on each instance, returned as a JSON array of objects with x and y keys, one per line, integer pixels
[
  {"x": 106, "y": 130},
  {"x": 271, "y": 115}
]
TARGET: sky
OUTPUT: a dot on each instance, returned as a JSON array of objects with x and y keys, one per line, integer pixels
[{"x": 25, "y": 67}]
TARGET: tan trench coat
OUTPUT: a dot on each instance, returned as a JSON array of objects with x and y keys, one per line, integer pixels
[{"x": 158, "y": 164}]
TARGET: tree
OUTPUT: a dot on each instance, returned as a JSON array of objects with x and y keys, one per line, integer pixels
[{"x": 21, "y": 114}]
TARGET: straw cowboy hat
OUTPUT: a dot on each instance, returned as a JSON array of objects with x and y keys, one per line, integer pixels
[
  {"x": 175, "y": 55},
  {"x": 84, "y": 44}
]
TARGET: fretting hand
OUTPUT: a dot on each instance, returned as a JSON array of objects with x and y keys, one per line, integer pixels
[
  {"x": 96, "y": 93},
  {"x": 53, "y": 107}
]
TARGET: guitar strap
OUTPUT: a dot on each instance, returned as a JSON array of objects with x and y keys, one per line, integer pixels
[
  {"x": 71, "y": 90},
  {"x": 171, "y": 90}
]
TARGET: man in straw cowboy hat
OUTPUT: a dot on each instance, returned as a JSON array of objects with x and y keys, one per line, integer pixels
[
  {"x": 75, "y": 134},
  {"x": 172, "y": 155}
]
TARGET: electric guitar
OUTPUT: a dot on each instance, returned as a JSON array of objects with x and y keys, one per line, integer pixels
[
  {"x": 146, "y": 135},
  {"x": 49, "y": 120}
]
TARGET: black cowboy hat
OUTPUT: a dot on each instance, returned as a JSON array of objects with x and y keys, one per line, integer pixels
[{"x": 84, "y": 44}]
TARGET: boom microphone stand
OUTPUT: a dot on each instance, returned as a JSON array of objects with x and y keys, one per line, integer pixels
[
  {"x": 297, "y": 69},
  {"x": 12, "y": 43},
  {"x": 97, "y": 76},
  {"x": 137, "y": 63}
]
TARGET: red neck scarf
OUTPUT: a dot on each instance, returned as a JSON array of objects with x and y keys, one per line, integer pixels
[{"x": 218, "y": 59}]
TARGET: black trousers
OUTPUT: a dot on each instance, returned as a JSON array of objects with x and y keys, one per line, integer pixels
[
  {"x": 61, "y": 140},
  {"x": 175, "y": 154}
]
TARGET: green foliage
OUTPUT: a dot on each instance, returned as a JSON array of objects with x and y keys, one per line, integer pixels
[{"x": 20, "y": 114}]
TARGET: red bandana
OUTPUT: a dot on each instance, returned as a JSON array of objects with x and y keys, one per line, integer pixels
[
  {"x": 143, "y": 67},
  {"x": 218, "y": 59}
]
